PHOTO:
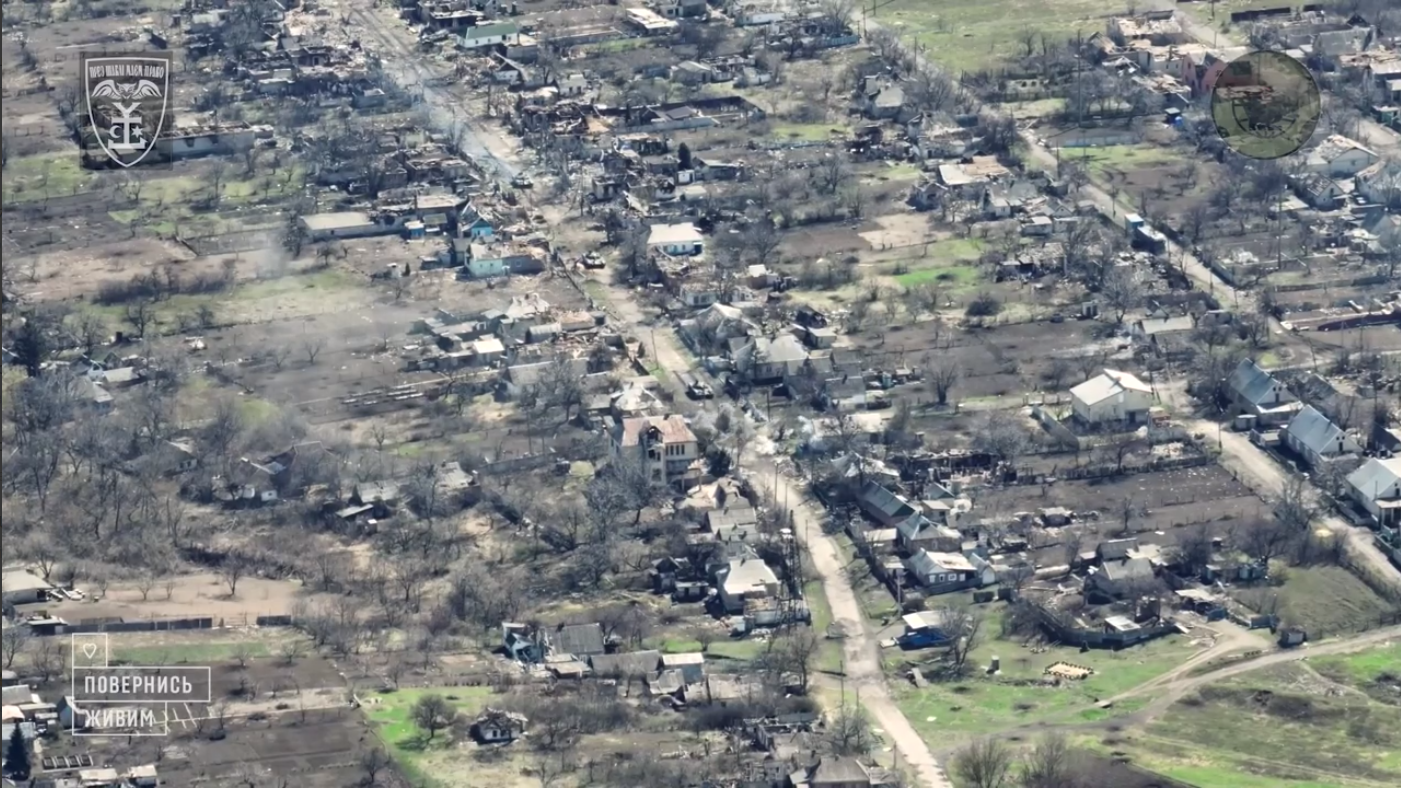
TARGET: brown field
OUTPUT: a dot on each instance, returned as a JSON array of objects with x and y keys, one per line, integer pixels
[
  {"x": 317, "y": 748},
  {"x": 1207, "y": 496},
  {"x": 997, "y": 361},
  {"x": 192, "y": 596}
]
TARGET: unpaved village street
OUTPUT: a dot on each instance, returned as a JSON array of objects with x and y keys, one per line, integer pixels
[{"x": 861, "y": 652}]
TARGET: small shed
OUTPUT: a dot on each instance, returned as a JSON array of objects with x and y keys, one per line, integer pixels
[{"x": 691, "y": 665}]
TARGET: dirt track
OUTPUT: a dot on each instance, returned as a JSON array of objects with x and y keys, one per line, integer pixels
[
  {"x": 1176, "y": 684},
  {"x": 861, "y": 650}
]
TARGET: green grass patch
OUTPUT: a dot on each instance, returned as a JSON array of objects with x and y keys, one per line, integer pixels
[
  {"x": 256, "y": 410},
  {"x": 390, "y": 714},
  {"x": 947, "y": 262},
  {"x": 1121, "y": 158},
  {"x": 980, "y": 704},
  {"x": 904, "y": 171},
  {"x": 722, "y": 648},
  {"x": 1329, "y": 600},
  {"x": 829, "y": 656},
  {"x": 1216, "y": 777},
  {"x": 265, "y": 293},
  {"x": 597, "y": 290},
  {"x": 620, "y": 45},
  {"x": 956, "y": 249},
  {"x": 1279, "y": 732},
  {"x": 1127, "y": 706},
  {"x": 1362, "y": 668},
  {"x": 875, "y": 599},
  {"x": 741, "y": 649},
  {"x": 975, "y": 36},
  {"x": 1040, "y": 108},
  {"x": 1217, "y": 17},
  {"x": 37, "y": 178},
  {"x": 951, "y": 275}
]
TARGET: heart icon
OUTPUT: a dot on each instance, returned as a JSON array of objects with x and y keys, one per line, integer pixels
[{"x": 89, "y": 650}]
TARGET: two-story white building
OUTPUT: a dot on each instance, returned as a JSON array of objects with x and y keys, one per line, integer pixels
[{"x": 664, "y": 445}]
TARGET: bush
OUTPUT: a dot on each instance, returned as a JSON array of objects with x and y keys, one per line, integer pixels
[{"x": 983, "y": 305}]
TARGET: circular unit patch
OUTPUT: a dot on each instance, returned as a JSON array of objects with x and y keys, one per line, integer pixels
[{"x": 1265, "y": 105}]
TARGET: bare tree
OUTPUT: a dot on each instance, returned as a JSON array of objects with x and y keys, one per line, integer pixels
[
  {"x": 379, "y": 434},
  {"x": 141, "y": 315},
  {"x": 231, "y": 571},
  {"x": 964, "y": 628},
  {"x": 1193, "y": 550},
  {"x": 12, "y": 643},
  {"x": 1267, "y": 538},
  {"x": 47, "y": 661},
  {"x": 549, "y": 766},
  {"x": 278, "y": 354},
  {"x": 942, "y": 375},
  {"x": 312, "y": 349},
  {"x": 1129, "y": 511},
  {"x": 799, "y": 649},
  {"x": 850, "y": 731},
  {"x": 394, "y": 671},
  {"x": 1048, "y": 763},
  {"x": 144, "y": 583},
  {"x": 242, "y": 653},
  {"x": 984, "y": 763},
  {"x": 90, "y": 329},
  {"x": 373, "y": 761},
  {"x": 1005, "y": 438},
  {"x": 1295, "y": 505},
  {"x": 1122, "y": 291},
  {"x": 704, "y": 636},
  {"x": 291, "y": 651}
]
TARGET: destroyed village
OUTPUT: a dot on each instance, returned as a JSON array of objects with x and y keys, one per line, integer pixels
[{"x": 701, "y": 394}]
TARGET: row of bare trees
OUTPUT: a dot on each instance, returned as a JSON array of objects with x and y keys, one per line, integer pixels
[{"x": 1049, "y": 763}]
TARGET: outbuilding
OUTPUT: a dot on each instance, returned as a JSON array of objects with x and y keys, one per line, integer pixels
[
  {"x": 1112, "y": 397},
  {"x": 23, "y": 587}
]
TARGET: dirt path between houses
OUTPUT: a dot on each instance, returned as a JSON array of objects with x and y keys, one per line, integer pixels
[{"x": 861, "y": 651}]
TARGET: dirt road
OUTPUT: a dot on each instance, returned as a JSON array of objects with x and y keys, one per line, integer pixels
[
  {"x": 861, "y": 651},
  {"x": 1174, "y": 690},
  {"x": 396, "y": 48}
]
